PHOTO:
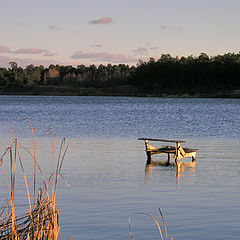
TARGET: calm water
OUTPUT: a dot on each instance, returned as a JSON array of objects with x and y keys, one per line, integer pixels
[{"x": 105, "y": 164}]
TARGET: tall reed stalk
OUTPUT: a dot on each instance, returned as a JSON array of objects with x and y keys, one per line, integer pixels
[
  {"x": 40, "y": 221},
  {"x": 162, "y": 237}
]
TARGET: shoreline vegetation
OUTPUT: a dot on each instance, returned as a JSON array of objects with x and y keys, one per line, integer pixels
[
  {"x": 200, "y": 77},
  {"x": 39, "y": 217}
]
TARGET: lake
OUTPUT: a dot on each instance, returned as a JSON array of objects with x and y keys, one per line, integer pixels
[{"x": 105, "y": 163}]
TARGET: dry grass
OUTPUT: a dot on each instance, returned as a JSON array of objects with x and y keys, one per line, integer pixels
[
  {"x": 165, "y": 236},
  {"x": 40, "y": 220}
]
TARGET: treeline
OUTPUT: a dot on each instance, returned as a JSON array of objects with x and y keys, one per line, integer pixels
[
  {"x": 202, "y": 74},
  {"x": 102, "y": 76}
]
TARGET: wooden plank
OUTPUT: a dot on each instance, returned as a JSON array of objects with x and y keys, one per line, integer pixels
[
  {"x": 188, "y": 150},
  {"x": 171, "y": 150},
  {"x": 177, "y": 154},
  {"x": 162, "y": 140},
  {"x": 182, "y": 151}
]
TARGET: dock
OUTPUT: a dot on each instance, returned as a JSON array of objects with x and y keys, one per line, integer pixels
[{"x": 177, "y": 150}]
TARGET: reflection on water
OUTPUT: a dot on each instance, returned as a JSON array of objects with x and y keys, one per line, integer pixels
[{"x": 181, "y": 169}]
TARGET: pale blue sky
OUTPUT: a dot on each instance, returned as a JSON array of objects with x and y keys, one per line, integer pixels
[{"x": 72, "y": 32}]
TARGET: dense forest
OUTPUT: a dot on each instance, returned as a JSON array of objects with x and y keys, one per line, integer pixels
[
  {"x": 189, "y": 75},
  {"x": 167, "y": 75}
]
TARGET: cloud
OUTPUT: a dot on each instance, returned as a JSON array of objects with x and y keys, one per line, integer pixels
[
  {"x": 104, "y": 20},
  {"x": 153, "y": 48},
  {"x": 30, "y": 51},
  {"x": 23, "y": 24},
  {"x": 33, "y": 51},
  {"x": 49, "y": 54},
  {"x": 23, "y": 62},
  {"x": 141, "y": 51},
  {"x": 53, "y": 27},
  {"x": 4, "y": 49},
  {"x": 106, "y": 57},
  {"x": 96, "y": 45},
  {"x": 168, "y": 28}
]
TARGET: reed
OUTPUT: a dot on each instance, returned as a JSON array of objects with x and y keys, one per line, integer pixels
[
  {"x": 157, "y": 222},
  {"x": 40, "y": 221}
]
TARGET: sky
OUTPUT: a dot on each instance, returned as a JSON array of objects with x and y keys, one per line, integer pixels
[{"x": 74, "y": 32}]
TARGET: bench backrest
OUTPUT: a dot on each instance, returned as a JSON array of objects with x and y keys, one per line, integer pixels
[{"x": 161, "y": 140}]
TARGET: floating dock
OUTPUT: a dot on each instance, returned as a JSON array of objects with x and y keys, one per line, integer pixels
[{"x": 177, "y": 150}]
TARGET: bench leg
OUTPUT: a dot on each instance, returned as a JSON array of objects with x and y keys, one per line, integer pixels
[
  {"x": 149, "y": 157},
  {"x": 169, "y": 159}
]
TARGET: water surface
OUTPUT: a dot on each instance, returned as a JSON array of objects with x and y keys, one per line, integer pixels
[{"x": 105, "y": 164}]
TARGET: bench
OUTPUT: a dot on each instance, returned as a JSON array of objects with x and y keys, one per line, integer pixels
[{"x": 178, "y": 151}]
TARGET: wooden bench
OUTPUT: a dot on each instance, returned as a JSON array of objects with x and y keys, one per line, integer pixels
[{"x": 178, "y": 151}]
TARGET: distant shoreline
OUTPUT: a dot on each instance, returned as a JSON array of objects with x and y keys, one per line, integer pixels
[
  {"x": 192, "y": 77},
  {"x": 121, "y": 91}
]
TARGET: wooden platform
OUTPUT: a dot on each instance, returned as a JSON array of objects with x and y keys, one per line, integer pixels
[{"x": 177, "y": 150}]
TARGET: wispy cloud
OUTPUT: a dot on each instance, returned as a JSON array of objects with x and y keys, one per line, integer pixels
[
  {"x": 103, "y": 20},
  {"x": 153, "y": 48},
  {"x": 106, "y": 57},
  {"x": 23, "y": 24},
  {"x": 53, "y": 27},
  {"x": 23, "y": 62},
  {"x": 30, "y": 51},
  {"x": 4, "y": 49},
  {"x": 140, "y": 51},
  {"x": 49, "y": 54},
  {"x": 96, "y": 45},
  {"x": 168, "y": 28}
]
